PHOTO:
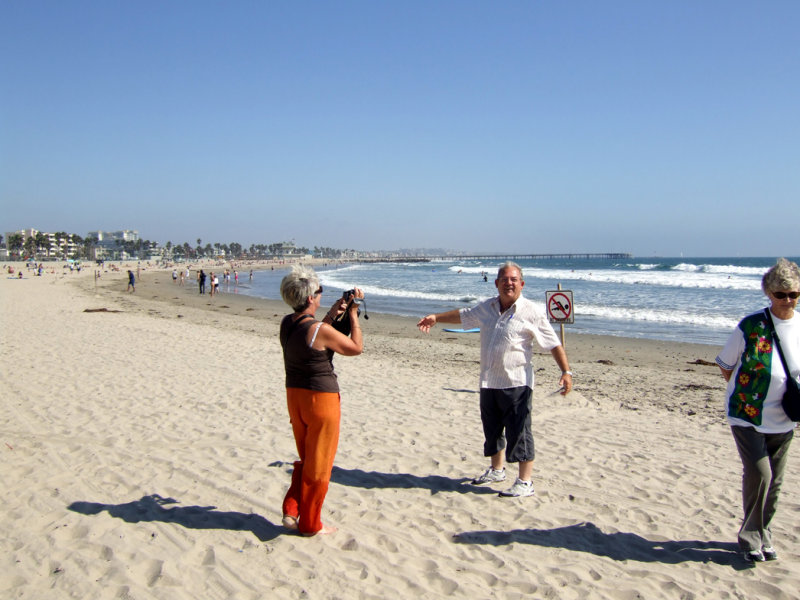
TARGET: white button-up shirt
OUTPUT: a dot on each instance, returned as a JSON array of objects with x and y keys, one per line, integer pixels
[{"x": 507, "y": 340}]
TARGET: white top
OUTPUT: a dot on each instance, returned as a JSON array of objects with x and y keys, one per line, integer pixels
[
  {"x": 507, "y": 340},
  {"x": 773, "y": 419}
]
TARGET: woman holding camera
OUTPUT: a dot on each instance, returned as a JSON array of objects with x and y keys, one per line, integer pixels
[
  {"x": 757, "y": 381},
  {"x": 312, "y": 392}
]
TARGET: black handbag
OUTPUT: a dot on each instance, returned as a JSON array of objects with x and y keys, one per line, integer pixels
[{"x": 791, "y": 397}]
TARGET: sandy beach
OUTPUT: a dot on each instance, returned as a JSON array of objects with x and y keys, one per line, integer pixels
[{"x": 146, "y": 450}]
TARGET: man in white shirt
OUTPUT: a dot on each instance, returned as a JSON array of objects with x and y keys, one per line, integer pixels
[{"x": 509, "y": 325}]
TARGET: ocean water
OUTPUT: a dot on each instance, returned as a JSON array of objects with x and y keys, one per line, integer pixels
[{"x": 696, "y": 300}]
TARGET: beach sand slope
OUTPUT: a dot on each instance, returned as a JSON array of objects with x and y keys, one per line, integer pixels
[{"x": 146, "y": 450}]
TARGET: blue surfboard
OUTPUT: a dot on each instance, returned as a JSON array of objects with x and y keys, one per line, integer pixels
[{"x": 473, "y": 330}]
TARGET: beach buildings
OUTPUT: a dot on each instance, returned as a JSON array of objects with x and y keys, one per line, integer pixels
[
  {"x": 115, "y": 245},
  {"x": 32, "y": 242},
  {"x": 100, "y": 245}
]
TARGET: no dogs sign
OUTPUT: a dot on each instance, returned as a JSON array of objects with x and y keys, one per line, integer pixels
[{"x": 559, "y": 306}]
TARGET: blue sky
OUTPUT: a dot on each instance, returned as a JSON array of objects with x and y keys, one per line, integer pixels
[{"x": 587, "y": 126}]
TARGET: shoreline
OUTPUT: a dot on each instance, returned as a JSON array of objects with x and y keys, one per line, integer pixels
[
  {"x": 595, "y": 356},
  {"x": 682, "y": 333}
]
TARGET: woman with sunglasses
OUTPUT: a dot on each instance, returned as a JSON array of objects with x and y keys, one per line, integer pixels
[
  {"x": 757, "y": 381},
  {"x": 312, "y": 392}
]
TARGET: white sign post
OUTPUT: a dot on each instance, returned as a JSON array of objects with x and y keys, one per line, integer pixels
[{"x": 560, "y": 308}]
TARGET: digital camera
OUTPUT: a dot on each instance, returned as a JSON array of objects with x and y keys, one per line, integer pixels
[
  {"x": 350, "y": 296},
  {"x": 342, "y": 324}
]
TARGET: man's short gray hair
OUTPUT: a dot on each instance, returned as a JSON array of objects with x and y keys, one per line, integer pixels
[
  {"x": 784, "y": 275},
  {"x": 300, "y": 283},
  {"x": 509, "y": 264}
]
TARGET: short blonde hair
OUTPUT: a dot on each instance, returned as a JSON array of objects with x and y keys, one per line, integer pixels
[
  {"x": 784, "y": 275},
  {"x": 300, "y": 283}
]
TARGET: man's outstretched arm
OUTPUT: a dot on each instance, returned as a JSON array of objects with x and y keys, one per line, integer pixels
[{"x": 451, "y": 316}]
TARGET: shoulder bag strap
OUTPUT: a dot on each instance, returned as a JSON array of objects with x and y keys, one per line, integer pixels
[{"x": 778, "y": 344}]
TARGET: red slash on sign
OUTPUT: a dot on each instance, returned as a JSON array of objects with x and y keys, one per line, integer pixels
[{"x": 559, "y": 307}]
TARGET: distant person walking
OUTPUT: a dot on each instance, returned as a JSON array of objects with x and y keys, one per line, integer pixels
[
  {"x": 131, "y": 281},
  {"x": 761, "y": 428},
  {"x": 201, "y": 281},
  {"x": 510, "y": 326}
]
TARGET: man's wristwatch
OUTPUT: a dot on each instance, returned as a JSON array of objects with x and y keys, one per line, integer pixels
[{"x": 567, "y": 373}]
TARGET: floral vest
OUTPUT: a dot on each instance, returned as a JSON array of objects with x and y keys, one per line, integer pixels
[{"x": 746, "y": 402}]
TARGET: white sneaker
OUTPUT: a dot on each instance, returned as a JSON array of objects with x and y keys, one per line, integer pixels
[
  {"x": 519, "y": 489},
  {"x": 490, "y": 476}
]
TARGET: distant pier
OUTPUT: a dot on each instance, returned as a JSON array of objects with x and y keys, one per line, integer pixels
[{"x": 455, "y": 257}]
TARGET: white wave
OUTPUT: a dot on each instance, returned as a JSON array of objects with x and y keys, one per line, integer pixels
[
  {"x": 684, "y": 276},
  {"x": 687, "y": 267},
  {"x": 346, "y": 269},
  {"x": 698, "y": 279},
  {"x": 479, "y": 270},
  {"x": 733, "y": 269},
  {"x": 677, "y": 317},
  {"x": 376, "y": 290},
  {"x": 721, "y": 269}
]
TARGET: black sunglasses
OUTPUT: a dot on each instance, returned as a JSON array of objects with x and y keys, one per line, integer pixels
[
  {"x": 784, "y": 295},
  {"x": 318, "y": 292}
]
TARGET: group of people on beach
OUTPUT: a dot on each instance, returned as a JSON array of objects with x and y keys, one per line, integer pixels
[
  {"x": 213, "y": 279},
  {"x": 760, "y": 362}
]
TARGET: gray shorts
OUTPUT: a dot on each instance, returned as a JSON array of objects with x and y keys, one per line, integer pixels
[{"x": 506, "y": 415}]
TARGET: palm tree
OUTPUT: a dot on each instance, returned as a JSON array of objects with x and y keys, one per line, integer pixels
[
  {"x": 77, "y": 240},
  {"x": 42, "y": 243},
  {"x": 30, "y": 246},
  {"x": 88, "y": 246},
  {"x": 14, "y": 243}
]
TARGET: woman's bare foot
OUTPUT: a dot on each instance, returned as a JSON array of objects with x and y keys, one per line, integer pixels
[
  {"x": 326, "y": 529},
  {"x": 290, "y": 522}
]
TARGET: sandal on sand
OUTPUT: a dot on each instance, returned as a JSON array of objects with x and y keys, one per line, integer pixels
[{"x": 289, "y": 522}]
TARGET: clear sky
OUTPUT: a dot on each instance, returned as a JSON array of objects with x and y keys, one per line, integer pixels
[{"x": 517, "y": 126}]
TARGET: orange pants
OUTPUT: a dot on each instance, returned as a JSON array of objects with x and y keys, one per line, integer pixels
[{"x": 315, "y": 418}]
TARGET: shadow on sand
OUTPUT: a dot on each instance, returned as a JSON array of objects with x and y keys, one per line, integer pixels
[
  {"x": 435, "y": 483},
  {"x": 587, "y": 537},
  {"x": 151, "y": 509},
  {"x": 370, "y": 480}
]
